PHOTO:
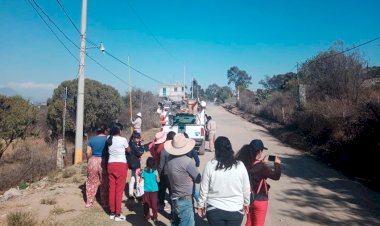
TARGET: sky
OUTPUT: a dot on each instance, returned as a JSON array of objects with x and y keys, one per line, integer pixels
[{"x": 162, "y": 37}]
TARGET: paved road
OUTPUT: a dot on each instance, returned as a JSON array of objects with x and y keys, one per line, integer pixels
[{"x": 309, "y": 192}]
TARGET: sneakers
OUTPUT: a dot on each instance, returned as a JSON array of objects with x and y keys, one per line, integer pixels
[
  {"x": 120, "y": 218},
  {"x": 167, "y": 207},
  {"x": 112, "y": 216}
]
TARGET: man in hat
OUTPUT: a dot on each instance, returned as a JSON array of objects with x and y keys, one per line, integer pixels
[
  {"x": 137, "y": 123},
  {"x": 182, "y": 175}
]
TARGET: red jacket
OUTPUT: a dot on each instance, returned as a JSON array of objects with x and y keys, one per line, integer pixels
[
  {"x": 259, "y": 171},
  {"x": 155, "y": 151}
]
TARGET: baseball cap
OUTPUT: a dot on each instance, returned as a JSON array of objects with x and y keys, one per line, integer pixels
[{"x": 257, "y": 145}]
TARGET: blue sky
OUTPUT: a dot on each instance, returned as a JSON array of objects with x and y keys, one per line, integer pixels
[{"x": 261, "y": 37}]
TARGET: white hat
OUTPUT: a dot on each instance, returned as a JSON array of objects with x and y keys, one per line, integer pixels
[
  {"x": 138, "y": 114},
  {"x": 180, "y": 145}
]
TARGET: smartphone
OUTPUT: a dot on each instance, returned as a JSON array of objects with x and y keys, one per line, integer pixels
[{"x": 271, "y": 158}]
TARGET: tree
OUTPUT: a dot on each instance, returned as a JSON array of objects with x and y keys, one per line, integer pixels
[
  {"x": 334, "y": 75},
  {"x": 280, "y": 82},
  {"x": 144, "y": 102},
  {"x": 198, "y": 91},
  {"x": 212, "y": 91},
  {"x": 17, "y": 118},
  {"x": 224, "y": 93},
  {"x": 239, "y": 78},
  {"x": 102, "y": 105}
]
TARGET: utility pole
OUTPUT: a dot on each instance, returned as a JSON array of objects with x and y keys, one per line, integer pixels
[
  {"x": 184, "y": 81},
  {"x": 192, "y": 89},
  {"x": 130, "y": 92},
  {"x": 80, "y": 100},
  {"x": 64, "y": 118}
]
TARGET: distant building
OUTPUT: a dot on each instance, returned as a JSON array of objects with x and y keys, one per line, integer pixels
[{"x": 173, "y": 92}]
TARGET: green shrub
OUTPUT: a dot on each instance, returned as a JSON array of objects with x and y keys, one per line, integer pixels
[
  {"x": 21, "y": 219},
  {"x": 23, "y": 186}
]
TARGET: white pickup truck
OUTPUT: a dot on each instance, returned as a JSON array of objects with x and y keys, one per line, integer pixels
[{"x": 186, "y": 123}]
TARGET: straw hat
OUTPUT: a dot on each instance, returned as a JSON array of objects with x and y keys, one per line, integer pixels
[
  {"x": 160, "y": 137},
  {"x": 138, "y": 114},
  {"x": 180, "y": 145}
]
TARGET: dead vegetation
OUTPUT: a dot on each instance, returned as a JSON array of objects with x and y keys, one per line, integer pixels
[
  {"x": 26, "y": 162},
  {"x": 340, "y": 119}
]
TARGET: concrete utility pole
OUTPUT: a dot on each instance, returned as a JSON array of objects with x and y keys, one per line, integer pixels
[
  {"x": 130, "y": 93},
  {"x": 80, "y": 100},
  {"x": 192, "y": 89},
  {"x": 184, "y": 81},
  {"x": 64, "y": 117}
]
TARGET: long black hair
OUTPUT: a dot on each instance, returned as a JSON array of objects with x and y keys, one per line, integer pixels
[
  {"x": 150, "y": 165},
  {"x": 115, "y": 130},
  {"x": 224, "y": 154},
  {"x": 246, "y": 155}
]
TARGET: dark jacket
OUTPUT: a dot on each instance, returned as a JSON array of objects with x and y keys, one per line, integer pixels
[
  {"x": 260, "y": 171},
  {"x": 194, "y": 154},
  {"x": 137, "y": 150}
]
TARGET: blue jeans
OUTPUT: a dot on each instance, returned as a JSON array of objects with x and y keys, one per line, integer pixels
[
  {"x": 183, "y": 212},
  {"x": 218, "y": 217}
]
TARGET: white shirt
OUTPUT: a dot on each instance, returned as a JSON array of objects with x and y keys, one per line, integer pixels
[
  {"x": 226, "y": 190},
  {"x": 137, "y": 124},
  {"x": 117, "y": 149}
]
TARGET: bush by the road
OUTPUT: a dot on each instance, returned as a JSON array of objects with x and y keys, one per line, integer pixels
[{"x": 340, "y": 118}]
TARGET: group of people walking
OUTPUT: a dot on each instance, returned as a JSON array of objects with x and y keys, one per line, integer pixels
[{"x": 230, "y": 186}]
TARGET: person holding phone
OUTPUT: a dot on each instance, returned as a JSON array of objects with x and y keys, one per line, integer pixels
[{"x": 258, "y": 172}]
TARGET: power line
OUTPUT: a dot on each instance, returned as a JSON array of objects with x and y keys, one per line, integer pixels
[
  {"x": 92, "y": 43},
  {"x": 67, "y": 15},
  {"x": 59, "y": 29},
  {"x": 150, "y": 31},
  {"x": 136, "y": 70},
  {"x": 109, "y": 71},
  {"x": 344, "y": 51},
  {"x": 72, "y": 22},
  {"x": 99, "y": 64},
  {"x": 63, "y": 44}
]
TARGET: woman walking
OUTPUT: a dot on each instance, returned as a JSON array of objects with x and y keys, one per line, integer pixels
[
  {"x": 117, "y": 171},
  {"x": 225, "y": 187},
  {"x": 96, "y": 168},
  {"x": 258, "y": 173},
  {"x": 151, "y": 180}
]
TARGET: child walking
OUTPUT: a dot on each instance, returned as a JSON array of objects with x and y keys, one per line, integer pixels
[{"x": 151, "y": 179}]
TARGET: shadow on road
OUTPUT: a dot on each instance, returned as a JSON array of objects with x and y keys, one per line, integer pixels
[{"x": 318, "y": 194}]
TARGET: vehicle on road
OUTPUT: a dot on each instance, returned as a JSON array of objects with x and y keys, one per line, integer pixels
[{"x": 187, "y": 123}]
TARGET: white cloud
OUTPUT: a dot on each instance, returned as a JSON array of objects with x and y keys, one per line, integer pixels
[{"x": 31, "y": 85}]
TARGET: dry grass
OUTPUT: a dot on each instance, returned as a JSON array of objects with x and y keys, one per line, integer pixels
[
  {"x": 20, "y": 218},
  {"x": 68, "y": 173},
  {"x": 77, "y": 180},
  {"x": 49, "y": 222},
  {"x": 48, "y": 201},
  {"x": 26, "y": 161},
  {"x": 58, "y": 211}
]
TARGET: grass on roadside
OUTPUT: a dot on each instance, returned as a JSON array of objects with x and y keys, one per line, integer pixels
[
  {"x": 58, "y": 211},
  {"x": 48, "y": 201},
  {"x": 68, "y": 173},
  {"x": 21, "y": 218}
]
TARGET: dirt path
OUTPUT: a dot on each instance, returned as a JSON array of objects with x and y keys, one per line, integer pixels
[{"x": 308, "y": 193}]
